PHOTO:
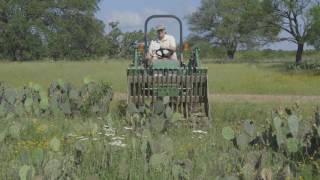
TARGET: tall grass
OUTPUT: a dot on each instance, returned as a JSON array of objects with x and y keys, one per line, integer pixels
[
  {"x": 88, "y": 152},
  {"x": 262, "y": 78}
]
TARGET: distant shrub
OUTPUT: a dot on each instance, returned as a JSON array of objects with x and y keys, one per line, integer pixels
[
  {"x": 308, "y": 66},
  {"x": 265, "y": 54},
  {"x": 207, "y": 51}
]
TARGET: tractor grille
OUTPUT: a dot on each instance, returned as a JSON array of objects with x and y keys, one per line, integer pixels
[{"x": 184, "y": 87}]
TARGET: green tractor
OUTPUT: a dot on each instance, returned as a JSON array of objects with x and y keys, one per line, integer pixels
[{"x": 182, "y": 85}]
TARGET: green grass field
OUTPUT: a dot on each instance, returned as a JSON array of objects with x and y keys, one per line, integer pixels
[
  {"x": 88, "y": 148},
  {"x": 263, "y": 78}
]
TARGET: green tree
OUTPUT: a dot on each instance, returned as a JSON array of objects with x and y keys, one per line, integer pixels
[
  {"x": 206, "y": 49},
  {"x": 73, "y": 30},
  {"x": 231, "y": 24},
  {"x": 121, "y": 44},
  {"x": 21, "y": 29},
  {"x": 113, "y": 39},
  {"x": 295, "y": 20},
  {"x": 129, "y": 40},
  {"x": 314, "y": 38},
  {"x": 32, "y": 29}
]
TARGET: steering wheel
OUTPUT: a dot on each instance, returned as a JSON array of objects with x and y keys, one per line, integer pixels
[{"x": 164, "y": 53}]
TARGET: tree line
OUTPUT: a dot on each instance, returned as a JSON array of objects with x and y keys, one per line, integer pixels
[
  {"x": 68, "y": 29},
  {"x": 251, "y": 23}
]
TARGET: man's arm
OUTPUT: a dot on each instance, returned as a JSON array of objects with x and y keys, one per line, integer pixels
[
  {"x": 151, "y": 51},
  {"x": 173, "y": 47},
  {"x": 172, "y": 44}
]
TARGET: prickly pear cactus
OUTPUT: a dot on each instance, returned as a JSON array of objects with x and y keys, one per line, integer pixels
[
  {"x": 26, "y": 172},
  {"x": 228, "y": 133},
  {"x": 60, "y": 100},
  {"x": 55, "y": 144},
  {"x": 95, "y": 98}
]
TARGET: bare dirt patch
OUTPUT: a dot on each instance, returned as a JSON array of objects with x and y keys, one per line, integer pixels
[{"x": 249, "y": 98}]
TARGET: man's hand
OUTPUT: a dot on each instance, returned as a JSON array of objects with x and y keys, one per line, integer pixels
[
  {"x": 168, "y": 47},
  {"x": 149, "y": 56}
]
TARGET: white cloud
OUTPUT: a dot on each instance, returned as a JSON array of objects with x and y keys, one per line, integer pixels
[
  {"x": 127, "y": 19},
  {"x": 191, "y": 9},
  {"x": 130, "y": 20},
  {"x": 134, "y": 20}
]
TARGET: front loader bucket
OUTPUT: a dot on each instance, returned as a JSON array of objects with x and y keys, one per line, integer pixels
[{"x": 187, "y": 88}]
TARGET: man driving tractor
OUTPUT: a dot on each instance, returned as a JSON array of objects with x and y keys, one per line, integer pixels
[
  {"x": 164, "y": 47},
  {"x": 158, "y": 72}
]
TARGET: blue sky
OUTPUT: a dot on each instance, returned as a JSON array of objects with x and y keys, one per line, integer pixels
[{"x": 132, "y": 13}]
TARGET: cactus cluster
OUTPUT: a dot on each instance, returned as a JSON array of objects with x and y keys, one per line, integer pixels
[
  {"x": 160, "y": 115},
  {"x": 286, "y": 139},
  {"x": 153, "y": 121},
  {"x": 61, "y": 99},
  {"x": 151, "y": 142},
  {"x": 289, "y": 134}
]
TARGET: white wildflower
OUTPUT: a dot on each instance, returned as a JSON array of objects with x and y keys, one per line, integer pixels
[
  {"x": 128, "y": 128},
  {"x": 84, "y": 139},
  {"x": 117, "y": 138},
  {"x": 109, "y": 131},
  {"x": 109, "y": 134},
  {"x": 117, "y": 143},
  {"x": 71, "y": 135},
  {"x": 200, "y": 132}
]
